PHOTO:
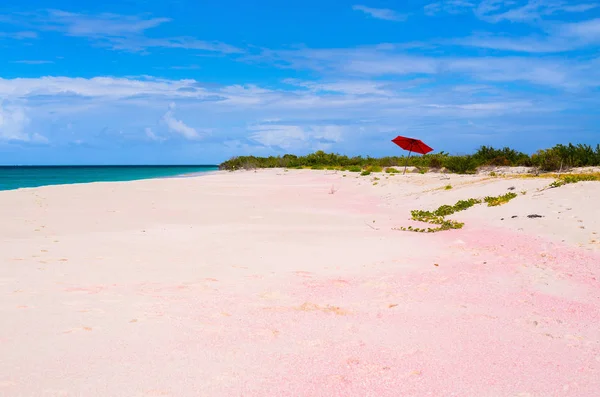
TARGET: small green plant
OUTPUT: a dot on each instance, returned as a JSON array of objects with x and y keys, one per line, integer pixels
[
  {"x": 375, "y": 179},
  {"x": 566, "y": 179},
  {"x": 524, "y": 192},
  {"x": 437, "y": 217},
  {"x": 354, "y": 168},
  {"x": 447, "y": 187},
  {"x": 375, "y": 183},
  {"x": 493, "y": 174},
  {"x": 391, "y": 170},
  {"x": 499, "y": 200},
  {"x": 365, "y": 173},
  {"x": 375, "y": 168}
]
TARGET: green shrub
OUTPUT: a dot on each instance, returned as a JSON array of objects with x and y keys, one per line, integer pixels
[
  {"x": 354, "y": 168},
  {"x": 365, "y": 173},
  {"x": 551, "y": 159},
  {"x": 461, "y": 164},
  {"x": 436, "y": 162},
  {"x": 391, "y": 170}
]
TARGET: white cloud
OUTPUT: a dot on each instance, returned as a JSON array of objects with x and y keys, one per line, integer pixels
[
  {"x": 296, "y": 137},
  {"x": 448, "y": 6},
  {"x": 380, "y": 13},
  {"x": 152, "y": 135},
  {"x": 178, "y": 126},
  {"x": 116, "y": 31},
  {"x": 23, "y": 35},
  {"x": 532, "y": 10},
  {"x": 283, "y": 136},
  {"x": 99, "y": 87},
  {"x": 356, "y": 87},
  {"x": 531, "y": 44},
  {"x": 588, "y": 31},
  {"x": 33, "y": 62},
  {"x": 13, "y": 125},
  {"x": 100, "y": 25},
  {"x": 495, "y": 11},
  {"x": 369, "y": 62}
]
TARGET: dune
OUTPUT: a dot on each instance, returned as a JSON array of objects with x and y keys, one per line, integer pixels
[{"x": 299, "y": 283}]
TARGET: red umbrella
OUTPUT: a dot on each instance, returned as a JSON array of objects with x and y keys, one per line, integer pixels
[{"x": 412, "y": 145}]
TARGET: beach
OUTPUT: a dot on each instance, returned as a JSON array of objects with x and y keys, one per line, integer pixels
[{"x": 299, "y": 283}]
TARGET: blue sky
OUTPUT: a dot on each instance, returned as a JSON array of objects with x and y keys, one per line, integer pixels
[{"x": 187, "y": 81}]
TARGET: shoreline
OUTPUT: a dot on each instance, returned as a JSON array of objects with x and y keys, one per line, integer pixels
[
  {"x": 301, "y": 271},
  {"x": 183, "y": 175}
]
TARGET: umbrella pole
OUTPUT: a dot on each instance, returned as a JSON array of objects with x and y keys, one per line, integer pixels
[{"x": 406, "y": 162}]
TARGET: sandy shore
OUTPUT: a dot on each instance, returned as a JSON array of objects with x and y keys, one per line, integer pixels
[{"x": 295, "y": 283}]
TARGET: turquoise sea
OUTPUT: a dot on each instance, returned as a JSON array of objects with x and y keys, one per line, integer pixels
[{"x": 14, "y": 177}]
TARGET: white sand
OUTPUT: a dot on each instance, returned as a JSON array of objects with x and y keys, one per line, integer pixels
[{"x": 99, "y": 282}]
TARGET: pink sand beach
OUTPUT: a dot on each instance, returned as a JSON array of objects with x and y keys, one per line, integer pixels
[{"x": 297, "y": 283}]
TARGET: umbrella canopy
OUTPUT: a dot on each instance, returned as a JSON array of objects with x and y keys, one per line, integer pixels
[{"x": 412, "y": 145}]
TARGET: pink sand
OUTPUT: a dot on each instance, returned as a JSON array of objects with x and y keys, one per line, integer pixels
[{"x": 264, "y": 284}]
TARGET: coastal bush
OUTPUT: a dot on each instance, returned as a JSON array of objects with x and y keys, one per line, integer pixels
[
  {"x": 354, "y": 168},
  {"x": 391, "y": 170},
  {"x": 552, "y": 159},
  {"x": 365, "y": 173},
  {"x": 461, "y": 164},
  {"x": 487, "y": 155}
]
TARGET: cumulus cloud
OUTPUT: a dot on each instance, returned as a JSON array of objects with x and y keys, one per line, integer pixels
[
  {"x": 13, "y": 125},
  {"x": 178, "y": 126}
]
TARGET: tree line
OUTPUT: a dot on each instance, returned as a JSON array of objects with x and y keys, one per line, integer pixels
[{"x": 552, "y": 159}]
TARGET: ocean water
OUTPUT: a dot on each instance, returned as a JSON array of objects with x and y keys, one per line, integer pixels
[{"x": 15, "y": 177}]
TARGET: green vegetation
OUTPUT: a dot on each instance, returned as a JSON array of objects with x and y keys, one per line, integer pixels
[
  {"x": 566, "y": 179},
  {"x": 448, "y": 187},
  {"x": 365, "y": 173},
  {"x": 559, "y": 157},
  {"x": 499, "y": 200},
  {"x": 438, "y": 217}
]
